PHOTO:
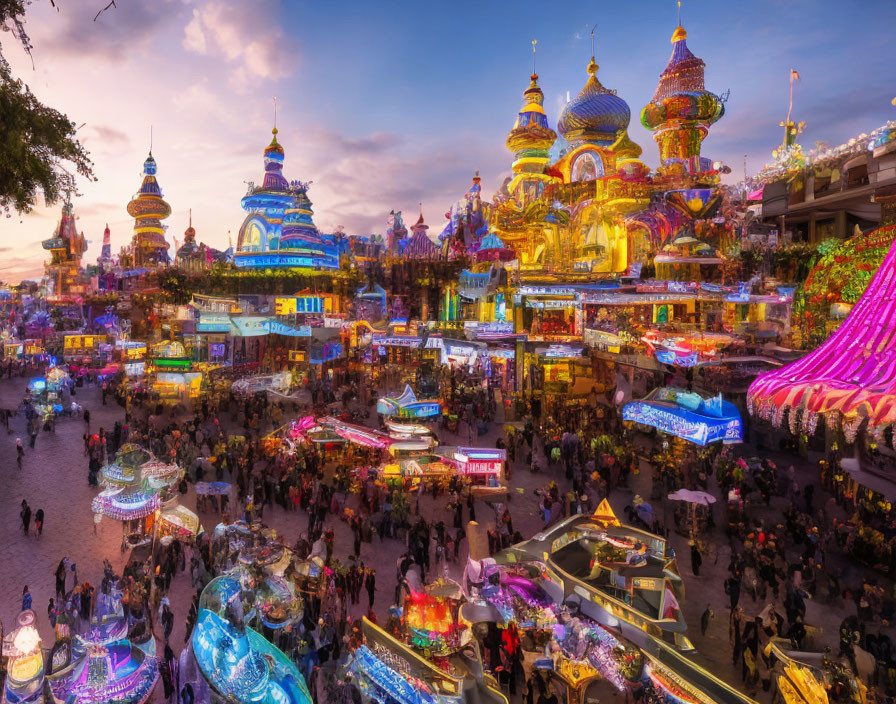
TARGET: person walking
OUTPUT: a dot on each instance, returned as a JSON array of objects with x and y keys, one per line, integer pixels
[
  {"x": 52, "y": 612},
  {"x": 25, "y": 515},
  {"x": 370, "y": 583},
  {"x": 696, "y": 558},
  {"x": 26, "y": 599},
  {"x": 20, "y": 452},
  {"x": 60, "y": 580},
  {"x": 39, "y": 521}
]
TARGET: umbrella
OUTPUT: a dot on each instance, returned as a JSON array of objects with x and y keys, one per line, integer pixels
[{"x": 693, "y": 497}]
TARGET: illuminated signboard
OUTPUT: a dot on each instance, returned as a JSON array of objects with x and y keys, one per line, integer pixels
[
  {"x": 648, "y": 583},
  {"x": 302, "y": 304},
  {"x": 480, "y": 460},
  {"x": 686, "y": 424},
  {"x": 277, "y": 328},
  {"x": 284, "y": 306},
  {"x": 82, "y": 342},
  {"x": 297, "y": 355},
  {"x": 401, "y": 341},
  {"x": 213, "y": 322},
  {"x": 671, "y": 357},
  {"x": 561, "y": 352},
  {"x": 422, "y": 410}
]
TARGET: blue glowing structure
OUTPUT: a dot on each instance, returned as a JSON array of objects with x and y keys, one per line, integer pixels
[
  {"x": 279, "y": 231},
  {"x": 237, "y": 662},
  {"x": 407, "y": 406},
  {"x": 687, "y": 415}
]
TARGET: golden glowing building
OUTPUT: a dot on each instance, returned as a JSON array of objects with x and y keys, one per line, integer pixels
[{"x": 568, "y": 218}]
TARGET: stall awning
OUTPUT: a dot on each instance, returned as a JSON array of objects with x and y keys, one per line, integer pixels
[
  {"x": 249, "y": 326},
  {"x": 877, "y": 483}
]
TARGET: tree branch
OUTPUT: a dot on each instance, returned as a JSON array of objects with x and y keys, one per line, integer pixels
[{"x": 111, "y": 4}]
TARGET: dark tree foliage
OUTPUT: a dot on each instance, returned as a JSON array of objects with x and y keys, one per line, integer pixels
[{"x": 39, "y": 150}]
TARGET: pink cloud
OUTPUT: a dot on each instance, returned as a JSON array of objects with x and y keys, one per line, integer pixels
[{"x": 243, "y": 35}]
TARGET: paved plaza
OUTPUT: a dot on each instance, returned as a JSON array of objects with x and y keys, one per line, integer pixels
[{"x": 54, "y": 478}]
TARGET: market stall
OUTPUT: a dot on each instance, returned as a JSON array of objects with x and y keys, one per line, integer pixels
[
  {"x": 137, "y": 490},
  {"x": 51, "y": 394}
]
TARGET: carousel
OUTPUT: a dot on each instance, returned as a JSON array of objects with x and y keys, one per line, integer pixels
[
  {"x": 141, "y": 492},
  {"x": 103, "y": 664}
]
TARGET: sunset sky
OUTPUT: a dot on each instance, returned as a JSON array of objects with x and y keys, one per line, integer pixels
[{"x": 387, "y": 104}]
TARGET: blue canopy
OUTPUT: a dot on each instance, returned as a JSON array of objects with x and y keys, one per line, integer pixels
[{"x": 687, "y": 415}]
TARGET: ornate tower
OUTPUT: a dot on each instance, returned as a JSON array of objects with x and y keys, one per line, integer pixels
[
  {"x": 148, "y": 210},
  {"x": 681, "y": 110},
  {"x": 106, "y": 251},
  {"x": 530, "y": 140},
  {"x": 298, "y": 227},
  {"x": 66, "y": 247},
  {"x": 266, "y": 205}
]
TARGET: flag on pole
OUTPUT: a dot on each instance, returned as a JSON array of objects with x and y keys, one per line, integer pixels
[{"x": 794, "y": 76}]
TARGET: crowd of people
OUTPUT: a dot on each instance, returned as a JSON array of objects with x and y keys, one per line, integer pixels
[{"x": 780, "y": 559}]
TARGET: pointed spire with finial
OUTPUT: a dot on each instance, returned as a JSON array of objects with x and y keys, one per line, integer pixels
[
  {"x": 679, "y": 34},
  {"x": 592, "y": 65}
]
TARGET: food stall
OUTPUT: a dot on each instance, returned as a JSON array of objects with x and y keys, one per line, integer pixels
[
  {"x": 482, "y": 466},
  {"x": 82, "y": 349},
  {"x": 174, "y": 386}
]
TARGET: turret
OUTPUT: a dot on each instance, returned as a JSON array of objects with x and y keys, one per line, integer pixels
[{"x": 681, "y": 110}]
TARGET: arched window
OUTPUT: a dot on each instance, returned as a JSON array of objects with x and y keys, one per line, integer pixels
[
  {"x": 253, "y": 237},
  {"x": 587, "y": 166}
]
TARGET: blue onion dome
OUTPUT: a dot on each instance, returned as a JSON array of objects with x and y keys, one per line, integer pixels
[
  {"x": 681, "y": 93},
  {"x": 150, "y": 186},
  {"x": 531, "y": 132},
  {"x": 596, "y": 115}
]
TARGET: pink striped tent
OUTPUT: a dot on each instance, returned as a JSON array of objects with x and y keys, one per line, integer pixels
[{"x": 853, "y": 374}]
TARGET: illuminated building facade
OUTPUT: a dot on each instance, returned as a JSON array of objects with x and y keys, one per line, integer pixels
[{"x": 278, "y": 231}]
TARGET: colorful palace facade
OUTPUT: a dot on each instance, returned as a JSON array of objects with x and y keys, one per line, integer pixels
[{"x": 279, "y": 231}]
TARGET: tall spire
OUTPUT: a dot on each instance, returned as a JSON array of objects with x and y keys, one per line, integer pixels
[
  {"x": 681, "y": 110},
  {"x": 531, "y": 137},
  {"x": 148, "y": 210}
]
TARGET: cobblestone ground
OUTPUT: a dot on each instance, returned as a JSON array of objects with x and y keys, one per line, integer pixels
[{"x": 54, "y": 478}]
